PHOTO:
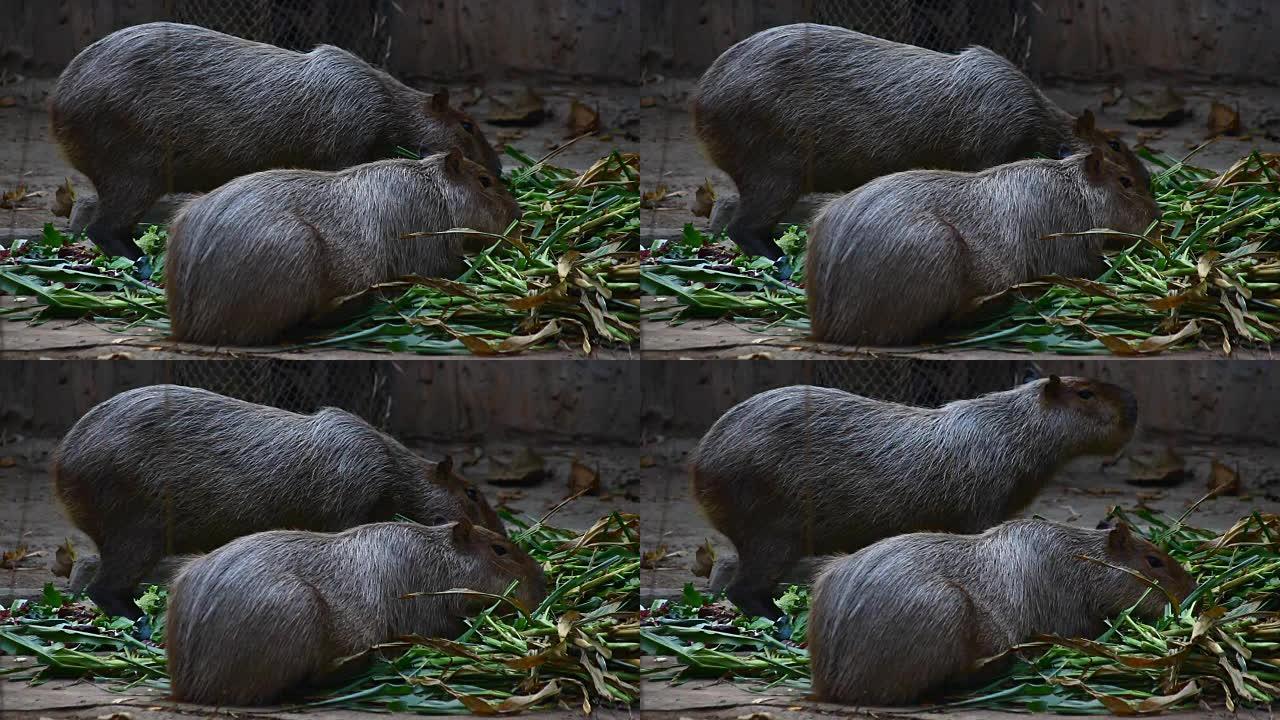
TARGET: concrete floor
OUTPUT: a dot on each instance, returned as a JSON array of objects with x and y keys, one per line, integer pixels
[
  {"x": 672, "y": 158},
  {"x": 30, "y": 157}
]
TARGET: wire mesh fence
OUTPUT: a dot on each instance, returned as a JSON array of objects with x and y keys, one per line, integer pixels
[
  {"x": 925, "y": 383},
  {"x": 301, "y": 386},
  {"x": 943, "y": 25},
  {"x": 360, "y": 26}
]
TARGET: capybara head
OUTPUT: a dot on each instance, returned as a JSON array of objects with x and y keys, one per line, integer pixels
[
  {"x": 1094, "y": 418},
  {"x": 1128, "y": 550},
  {"x": 1115, "y": 199},
  {"x": 492, "y": 562},
  {"x": 477, "y": 199},
  {"x": 1115, "y": 149},
  {"x": 464, "y": 131},
  {"x": 468, "y": 497}
]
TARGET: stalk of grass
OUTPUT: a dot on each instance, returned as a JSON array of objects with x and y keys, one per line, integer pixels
[{"x": 581, "y": 646}]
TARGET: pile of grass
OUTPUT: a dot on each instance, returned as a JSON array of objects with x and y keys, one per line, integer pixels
[
  {"x": 579, "y": 648},
  {"x": 568, "y": 274},
  {"x": 1208, "y": 275},
  {"x": 1222, "y": 645}
]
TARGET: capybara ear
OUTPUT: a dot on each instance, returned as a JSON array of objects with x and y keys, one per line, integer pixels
[
  {"x": 1085, "y": 123},
  {"x": 462, "y": 531},
  {"x": 1119, "y": 537},
  {"x": 440, "y": 101},
  {"x": 453, "y": 162},
  {"x": 444, "y": 469},
  {"x": 1093, "y": 168}
]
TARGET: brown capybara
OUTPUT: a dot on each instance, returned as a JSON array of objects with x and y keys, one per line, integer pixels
[
  {"x": 805, "y": 470},
  {"x": 170, "y": 470},
  {"x": 910, "y": 617},
  {"x": 815, "y": 108},
  {"x": 271, "y": 612},
  {"x": 163, "y": 107},
  {"x": 929, "y": 243},
  {"x": 272, "y": 251}
]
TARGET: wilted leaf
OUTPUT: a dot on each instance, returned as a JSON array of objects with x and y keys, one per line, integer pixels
[
  {"x": 63, "y": 559},
  {"x": 1223, "y": 120},
  {"x": 703, "y": 559},
  {"x": 11, "y": 559},
  {"x": 650, "y": 559},
  {"x": 526, "y": 109},
  {"x": 1162, "y": 107},
  {"x": 704, "y": 199},
  {"x": 1223, "y": 480},
  {"x": 650, "y": 199},
  {"x": 582, "y": 119},
  {"x": 527, "y": 467},
  {"x": 8, "y": 461},
  {"x": 583, "y": 479},
  {"x": 8, "y": 101},
  {"x": 1163, "y": 467},
  {"x": 63, "y": 199},
  {"x": 12, "y": 199}
]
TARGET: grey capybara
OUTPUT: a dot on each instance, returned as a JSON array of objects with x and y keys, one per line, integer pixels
[
  {"x": 911, "y": 617},
  {"x": 163, "y": 107},
  {"x": 271, "y": 613},
  {"x": 169, "y": 470},
  {"x": 806, "y": 470},
  {"x": 929, "y": 243},
  {"x": 272, "y": 251},
  {"x": 814, "y": 108}
]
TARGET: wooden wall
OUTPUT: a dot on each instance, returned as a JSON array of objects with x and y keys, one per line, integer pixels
[
  {"x": 627, "y": 40},
  {"x": 622, "y": 402}
]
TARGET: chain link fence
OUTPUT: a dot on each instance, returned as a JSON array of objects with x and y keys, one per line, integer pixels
[
  {"x": 360, "y": 26},
  {"x": 301, "y": 386},
  {"x": 943, "y": 25},
  {"x": 924, "y": 383}
]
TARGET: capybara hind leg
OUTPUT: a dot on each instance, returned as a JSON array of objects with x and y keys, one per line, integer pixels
[
  {"x": 761, "y": 204},
  {"x": 759, "y": 567},
  {"x": 120, "y": 206},
  {"x": 121, "y": 567}
]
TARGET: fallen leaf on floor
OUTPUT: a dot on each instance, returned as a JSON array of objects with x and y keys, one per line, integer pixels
[
  {"x": 703, "y": 559},
  {"x": 509, "y": 136},
  {"x": 1162, "y": 107},
  {"x": 526, "y": 468},
  {"x": 8, "y": 461},
  {"x": 63, "y": 559},
  {"x": 1223, "y": 120},
  {"x": 583, "y": 479},
  {"x": 13, "y": 198},
  {"x": 648, "y": 101},
  {"x": 650, "y": 200},
  {"x": 1111, "y": 96},
  {"x": 63, "y": 199},
  {"x": 11, "y": 559},
  {"x": 471, "y": 97},
  {"x": 1223, "y": 480},
  {"x": 704, "y": 199},
  {"x": 508, "y": 496},
  {"x": 647, "y": 461},
  {"x": 526, "y": 109},
  {"x": 1146, "y": 136},
  {"x": 8, "y": 101},
  {"x": 1160, "y": 468},
  {"x": 582, "y": 119},
  {"x": 650, "y": 559}
]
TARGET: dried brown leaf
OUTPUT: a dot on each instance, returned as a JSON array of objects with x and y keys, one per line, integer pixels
[{"x": 704, "y": 199}]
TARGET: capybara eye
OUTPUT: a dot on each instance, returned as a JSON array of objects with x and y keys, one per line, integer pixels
[
  {"x": 1085, "y": 394},
  {"x": 1114, "y": 145},
  {"x": 466, "y": 125},
  {"x": 472, "y": 494},
  {"x": 498, "y": 550},
  {"x": 1126, "y": 181},
  {"x": 1154, "y": 561}
]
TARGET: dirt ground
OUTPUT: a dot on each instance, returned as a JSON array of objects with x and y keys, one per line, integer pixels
[
  {"x": 30, "y": 516},
  {"x": 29, "y": 156},
  {"x": 672, "y": 158}
]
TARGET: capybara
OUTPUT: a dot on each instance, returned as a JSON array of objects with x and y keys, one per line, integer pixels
[
  {"x": 806, "y": 470},
  {"x": 169, "y": 470},
  {"x": 271, "y": 251},
  {"x": 814, "y": 108},
  {"x": 929, "y": 243},
  {"x": 271, "y": 612},
  {"x": 163, "y": 107},
  {"x": 910, "y": 617}
]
